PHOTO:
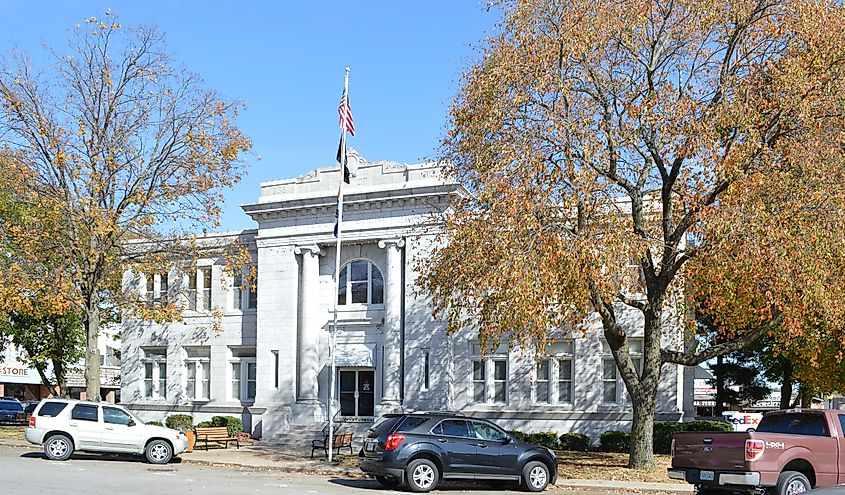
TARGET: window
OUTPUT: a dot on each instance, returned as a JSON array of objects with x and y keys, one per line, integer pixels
[
  {"x": 608, "y": 377},
  {"x": 798, "y": 423},
  {"x": 162, "y": 293},
  {"x": 206, "y": 287},
  {"x": 426, "y": 369},
  {"x": 360, "y": 282},
  {"x": 611, "y": 380},
  {"x": 197, "y": 373},
  {"x": 490, "y": 375},
  {"x": 84, "y": 412},
  {"x": 453, "y": 428},
  {"x": 252, "y": 301},
  {"x": 52, "y": 409},
  {"x": 237, "y": 288},
  {"x": 554, "y": 374},
  {"x": 411, "y": 423},
  {"x": 115, "y": 416},
  {"x": 155, "y": 373},
  {"x": 192, "y": 290},
  {"x": 486, "y": 431},
  {"x": 541, "y": 384},
  {"x": 243, "y": 379},
  {"x": 151, "y": 289}
]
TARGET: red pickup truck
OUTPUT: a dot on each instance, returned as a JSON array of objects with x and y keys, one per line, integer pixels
[{"x": 790, "y": 452}]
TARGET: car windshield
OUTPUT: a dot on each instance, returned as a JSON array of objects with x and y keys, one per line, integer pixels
[{"x": 10, "y": 406}]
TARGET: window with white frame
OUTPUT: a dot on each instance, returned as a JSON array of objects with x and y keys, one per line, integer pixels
[
  {"x": 553, "y": 375},
  {"x": 197, "y": 373},
  {"x": 426, "y": 365},
  {"x": 155, "y": 373},
  {"x": 242, "y": 374},
  {"x": 162, "y": 298},
  {"x": 489, "y": 375},
  {"x": 613, "y": 386},
  {"x": 206, "y": 287},
  {"x": 191, "y": 294},
  {"x": 151, "y": 289},
  {"x": 237, "y": 290},
  {"x": 360, "y": 282}
]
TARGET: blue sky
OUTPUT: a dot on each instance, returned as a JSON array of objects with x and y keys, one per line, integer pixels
[{"x": 286, "y": 61}]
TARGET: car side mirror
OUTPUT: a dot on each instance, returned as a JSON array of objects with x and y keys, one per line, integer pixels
[
  {"x": 131, "y": 422},
  {"x": 506, "y": 440}
]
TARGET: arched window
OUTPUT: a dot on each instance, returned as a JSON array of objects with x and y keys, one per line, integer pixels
[{"x": 360, "y": 282}]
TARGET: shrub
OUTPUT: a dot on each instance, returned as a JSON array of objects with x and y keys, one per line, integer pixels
[
  {"x": 233, "y": 424},
  {"x": 615, "y": 441},
  {"x": 708, "y": 425},
  {"x": 544, "y": 438},
  {"x": 204, "y": 424},
  {"x": 663, "y": 433},
  {"x": 574, "y": 441},
  {"x": 154, "y": 423},
  {"x": 182, "y": 422},
  {"x": 519, "y": 435}
]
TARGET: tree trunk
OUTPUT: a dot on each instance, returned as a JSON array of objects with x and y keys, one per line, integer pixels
[
  {"x": 92, "y": 352},
  {"x": 719, "y": 378},
  {"x": 786, "y": 384},
  {"x": 641, "y": 455}
]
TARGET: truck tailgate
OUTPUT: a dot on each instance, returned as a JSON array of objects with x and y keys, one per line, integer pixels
[{"x": 715, "y": 451}]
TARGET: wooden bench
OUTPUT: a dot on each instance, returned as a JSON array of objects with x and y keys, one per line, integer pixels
[
  {"x": 341, "y": 441},
  {"x": 219, "y": 434}
]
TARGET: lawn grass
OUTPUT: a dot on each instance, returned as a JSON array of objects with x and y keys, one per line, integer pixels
[
  {"x": 609, "y": 466},
  {"x": 11, "y": 433}
]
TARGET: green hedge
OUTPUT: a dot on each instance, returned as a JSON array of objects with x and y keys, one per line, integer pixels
[
  {"x": 182, "y": 422},
  {"x": 620, "y": 441},
  {"x": 574, "y": 441},
  {"x": 615, "y": 441},
  {"x": 233, "y": 424},
  {"x": 154, "y": 423}
]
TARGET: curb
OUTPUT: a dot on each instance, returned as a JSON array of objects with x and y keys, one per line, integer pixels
[
  {"x": 634, "y": 486},
  {"x": 352, "y": 473}
]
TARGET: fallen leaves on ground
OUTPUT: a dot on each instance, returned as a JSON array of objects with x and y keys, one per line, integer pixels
[{"x": 609, "y": 466}]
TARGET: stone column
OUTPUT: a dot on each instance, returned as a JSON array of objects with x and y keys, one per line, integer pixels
[
  {"x": 391, "y": 365},
  {"x": 308, "y": 408}
]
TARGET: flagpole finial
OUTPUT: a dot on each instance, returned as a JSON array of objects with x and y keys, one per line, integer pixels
[{"x": 347, "y": 70}]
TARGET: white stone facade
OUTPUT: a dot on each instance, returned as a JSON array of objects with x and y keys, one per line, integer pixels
[{"x": 266, "y": 358}]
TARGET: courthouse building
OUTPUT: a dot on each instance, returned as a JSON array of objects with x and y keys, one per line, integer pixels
[{"x": 262, "y": 352}]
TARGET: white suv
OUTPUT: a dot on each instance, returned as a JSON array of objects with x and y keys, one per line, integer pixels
[{"x": 64, "y": 425}]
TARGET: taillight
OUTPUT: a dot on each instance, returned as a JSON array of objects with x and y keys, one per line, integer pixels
[
  {"x": 672, "y": 448},
  {"x": 393, "y": 441},
  {"x": 754, "y": 449},
  {"x": 32, "y": 421}
]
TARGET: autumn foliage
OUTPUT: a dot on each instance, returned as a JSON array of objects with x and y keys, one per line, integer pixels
[
  {"x": 647, "y": 156},
  {"x": 114, "y": 143}
]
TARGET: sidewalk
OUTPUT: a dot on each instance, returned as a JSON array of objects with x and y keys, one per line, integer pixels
[{"x": 263, "y": 457}]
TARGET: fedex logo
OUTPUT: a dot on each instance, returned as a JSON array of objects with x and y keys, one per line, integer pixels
[{"x": 744, "y": 420}]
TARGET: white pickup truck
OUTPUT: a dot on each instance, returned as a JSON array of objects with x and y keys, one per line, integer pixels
[{"x": 63, "y": 426}]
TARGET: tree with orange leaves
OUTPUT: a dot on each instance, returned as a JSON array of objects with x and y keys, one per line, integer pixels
[
  {"x": 698, "y": 143},
  {"x": 115, "y": 143}
]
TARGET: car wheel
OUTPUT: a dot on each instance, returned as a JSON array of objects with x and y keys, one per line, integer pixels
[
  {"x": 791, "y": 483},
  {"x": 159, "y": 452},
  {"x": 535, "y": 476},
  {"x": 388, "y": 482},
  {"x": 58, "y": 448},
  {"x": 421, "y": 475}
]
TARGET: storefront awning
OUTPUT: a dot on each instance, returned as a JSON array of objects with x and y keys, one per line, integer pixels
[{"x": 355, "y": 356}]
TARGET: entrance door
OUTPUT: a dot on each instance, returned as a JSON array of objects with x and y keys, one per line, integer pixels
[{"x": 357, "y": 392}]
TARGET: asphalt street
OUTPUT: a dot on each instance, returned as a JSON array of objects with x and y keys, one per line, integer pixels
[{"x": 28, "y": 470}]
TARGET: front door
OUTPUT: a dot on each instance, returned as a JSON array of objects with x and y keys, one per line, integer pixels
[
  {"x": 459, "y": 446},
  {"x": 117, "y": 434},
  {"x": 496, "y": 455},
  {"x": 357, "y": 392}
]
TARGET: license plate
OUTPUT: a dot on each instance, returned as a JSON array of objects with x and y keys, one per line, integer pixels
[
  {"x": 706, "y": 476},
  {"x": 370, "y": 446}
]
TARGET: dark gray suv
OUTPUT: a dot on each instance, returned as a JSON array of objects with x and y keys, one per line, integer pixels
[{"x": 418, "y": 450}]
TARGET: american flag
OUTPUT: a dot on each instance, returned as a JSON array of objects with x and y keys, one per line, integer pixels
[{"x": 345, "y": 112}]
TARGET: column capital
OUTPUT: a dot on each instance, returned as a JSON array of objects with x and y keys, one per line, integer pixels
[
  {"x": 310, "y": 248},
  {"x": 395, "y": 243}
]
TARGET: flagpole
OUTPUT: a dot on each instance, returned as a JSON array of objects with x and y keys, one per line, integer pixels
[{"x": 332, "y": 341}]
